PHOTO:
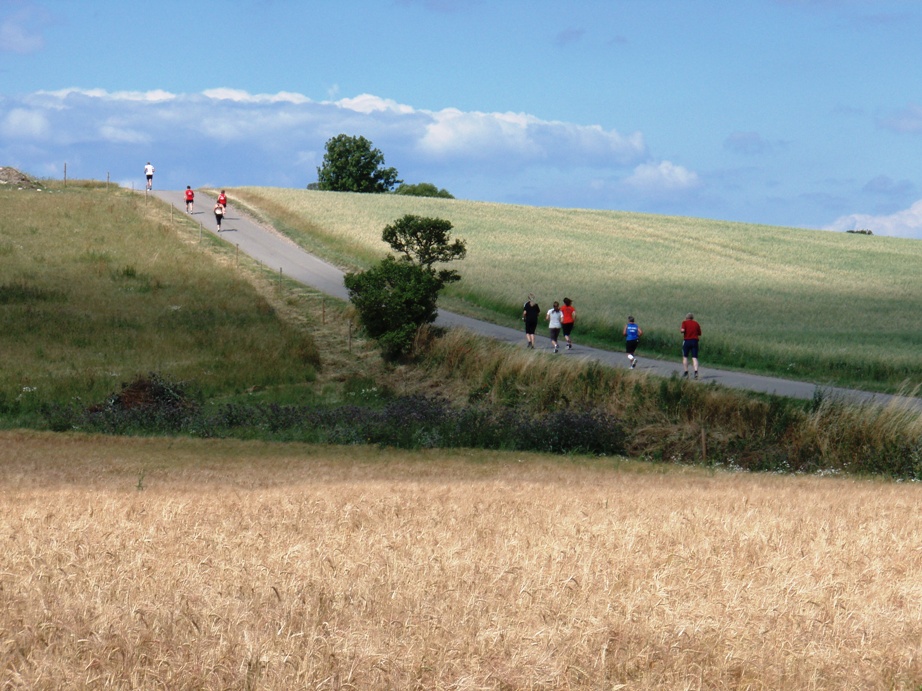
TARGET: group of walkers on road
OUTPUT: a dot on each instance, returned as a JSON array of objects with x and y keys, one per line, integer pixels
[
  {"x": 562, "y": 319},
  {"x": 220, "y": 207},
  {"x": 559, "y": 319},
  {"x": 691, "y": 333}
]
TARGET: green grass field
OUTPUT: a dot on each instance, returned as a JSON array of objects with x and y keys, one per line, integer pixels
[
  {"x": 98, "y": 287},
  {"x": 814, "y": 305}
]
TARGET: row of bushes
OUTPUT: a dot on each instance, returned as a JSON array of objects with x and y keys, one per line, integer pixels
[
  {"x": 659, "y": 420},
  {"x": 157, "y": 406}
]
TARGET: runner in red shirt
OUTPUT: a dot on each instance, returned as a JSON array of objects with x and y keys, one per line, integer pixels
[
  {"x": 190, "y": 199},
  {"x": 691, "y": 332},
  {"x": 222, "y": 200},
  {"x": 568, "y": 320}
]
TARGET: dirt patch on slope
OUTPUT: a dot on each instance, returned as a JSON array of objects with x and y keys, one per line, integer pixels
[{"x": 11, "y": 177}]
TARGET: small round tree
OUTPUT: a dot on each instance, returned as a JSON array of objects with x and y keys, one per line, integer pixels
[
  {"x": 351, "y": 164},
  {"x": 397, "y": 296}
]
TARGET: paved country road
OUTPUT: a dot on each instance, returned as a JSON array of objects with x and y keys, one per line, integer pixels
[{"x": 278, "y": 252}]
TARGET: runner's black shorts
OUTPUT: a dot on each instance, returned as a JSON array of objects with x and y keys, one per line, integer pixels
[{"x": 690, "y": 347}]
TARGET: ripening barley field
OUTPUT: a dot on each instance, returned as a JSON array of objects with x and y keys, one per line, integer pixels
[
  {"x": 806, "y": 304},
  {"x": 191, "y": 564}
]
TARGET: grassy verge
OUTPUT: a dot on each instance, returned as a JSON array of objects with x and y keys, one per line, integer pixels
[
  {"x": 492, "y": 396},
  {"x": 100, "y": 286},
  {"x": 669, "y": 420}
]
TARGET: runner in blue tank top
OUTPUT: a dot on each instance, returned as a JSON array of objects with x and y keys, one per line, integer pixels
[{"x": 632, "y": 333}]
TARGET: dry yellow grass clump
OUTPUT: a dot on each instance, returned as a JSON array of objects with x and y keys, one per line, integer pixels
[{"x": 146, "y": 563}]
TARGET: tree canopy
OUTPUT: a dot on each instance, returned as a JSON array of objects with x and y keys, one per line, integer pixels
[
  {"x": 425, "y": 241},
  {"x": 351, "y": 164},
  {"x": 423, "y": 189}
]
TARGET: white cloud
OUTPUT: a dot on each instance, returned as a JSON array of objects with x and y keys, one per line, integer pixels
[
  {"x": 25, "y": 123},
  {"x": 906, "y": 223},
  {"x": 366, "y": 103},
  {"x": 454, "y": 133},
  {"x": 274, "y": 138},
  {"x": 446, "y": 135},
  {"x": 240, "y": 96},
  {"x": 662, "y": 177},
  {"x": 155, "y": 96},
  {"x": 457, "y": 134}
]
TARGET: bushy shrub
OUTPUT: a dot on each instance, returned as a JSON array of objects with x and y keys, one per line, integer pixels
[
  {"x": 149, "y": 404},
  {"x": 394, "y": 298}
]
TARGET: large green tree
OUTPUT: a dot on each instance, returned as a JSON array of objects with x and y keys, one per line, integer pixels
[{"x": 351, "y": 164}]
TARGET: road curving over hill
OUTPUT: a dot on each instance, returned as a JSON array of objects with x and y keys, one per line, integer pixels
[{"x": 278, "y": 252}]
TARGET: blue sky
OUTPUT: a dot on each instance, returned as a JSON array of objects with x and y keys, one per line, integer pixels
[{"x": 802, "y": 113}]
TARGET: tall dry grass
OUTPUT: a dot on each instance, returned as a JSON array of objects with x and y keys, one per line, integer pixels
[
  {"x": 670, "y": 420},
  {"x": 145, "y": 564}
]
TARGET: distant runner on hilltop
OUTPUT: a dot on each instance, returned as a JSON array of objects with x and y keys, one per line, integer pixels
[{"x": 149, "y": 173}]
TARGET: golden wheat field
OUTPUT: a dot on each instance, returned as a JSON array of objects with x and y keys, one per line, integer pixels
[{"x": 183, "y": 564}]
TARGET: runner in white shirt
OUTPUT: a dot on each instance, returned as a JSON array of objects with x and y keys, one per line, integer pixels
[{"x": 554, "y": 317}]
